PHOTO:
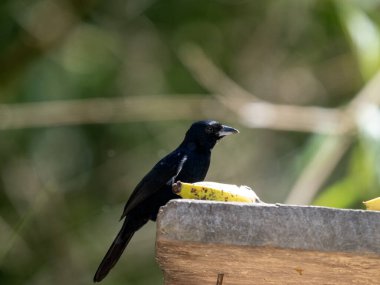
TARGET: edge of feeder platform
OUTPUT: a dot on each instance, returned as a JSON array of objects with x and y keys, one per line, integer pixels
[{"x": 266, "y": 244}]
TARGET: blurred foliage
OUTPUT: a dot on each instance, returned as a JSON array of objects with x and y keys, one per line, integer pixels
[{"x": 62, "y": 188}]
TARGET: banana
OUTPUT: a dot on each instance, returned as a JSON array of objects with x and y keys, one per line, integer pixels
[
  {"x": 373, "y": 204},
  {"x": 215, "y": 191}
]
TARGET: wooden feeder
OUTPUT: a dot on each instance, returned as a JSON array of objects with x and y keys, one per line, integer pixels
[{"x": 203, "y": 243}]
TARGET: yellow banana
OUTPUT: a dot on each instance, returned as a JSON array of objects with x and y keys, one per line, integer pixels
[
  {"x": 373, "y": 204},
  {"x": 215, "y": 191}
]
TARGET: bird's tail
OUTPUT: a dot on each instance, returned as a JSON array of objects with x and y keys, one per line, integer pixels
[{"x": 116, "y": 249}]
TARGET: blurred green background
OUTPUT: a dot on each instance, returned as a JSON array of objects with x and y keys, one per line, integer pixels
[{"x": 94, "y": 92}]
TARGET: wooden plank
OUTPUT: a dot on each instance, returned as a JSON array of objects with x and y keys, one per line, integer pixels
[
  {"x": 186, "y": 263},
  {"x": 267, "y": 244}
]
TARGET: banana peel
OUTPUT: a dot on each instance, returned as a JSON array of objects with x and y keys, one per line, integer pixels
[
  {"x": 215, "y": 191},
  {"x": 373, "y": 204}
]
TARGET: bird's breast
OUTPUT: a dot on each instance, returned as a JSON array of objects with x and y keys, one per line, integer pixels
[{"x": 195, "y": 168}]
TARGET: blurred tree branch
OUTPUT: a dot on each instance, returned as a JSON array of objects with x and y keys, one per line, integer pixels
[
  {"x": 181, "y": 106},
  {"x": 253, "y": 111},
  {"x": 333, "y": 148},
  {"x": 104, "y": 110}
]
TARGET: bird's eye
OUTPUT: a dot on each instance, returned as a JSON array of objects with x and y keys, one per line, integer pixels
[{"x": 209, "y": 129}]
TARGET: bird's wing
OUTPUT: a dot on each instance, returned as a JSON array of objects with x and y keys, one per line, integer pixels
[{"x": 163, "y": 173}]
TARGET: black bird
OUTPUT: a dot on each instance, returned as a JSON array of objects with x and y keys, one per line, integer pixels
[{"x": 189, "y": 162}]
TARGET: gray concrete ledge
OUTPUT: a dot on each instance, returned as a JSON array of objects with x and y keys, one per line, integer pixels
[{"x": 278, "y": 226}]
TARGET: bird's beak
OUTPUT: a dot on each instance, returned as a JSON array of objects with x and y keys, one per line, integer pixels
[{"x": 226, "y": 130}]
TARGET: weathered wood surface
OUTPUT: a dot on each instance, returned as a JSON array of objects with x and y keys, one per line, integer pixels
[{"x": 267, "y": 244}]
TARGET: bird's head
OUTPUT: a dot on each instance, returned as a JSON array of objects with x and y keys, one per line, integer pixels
[{"x": 205, "y": 134}]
